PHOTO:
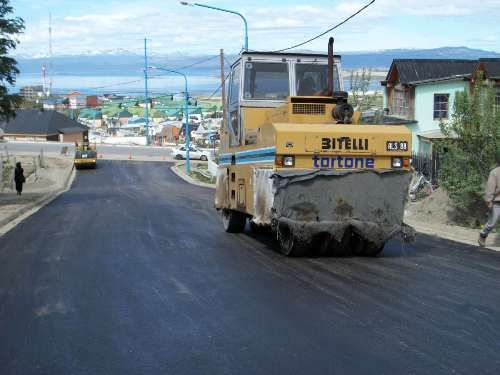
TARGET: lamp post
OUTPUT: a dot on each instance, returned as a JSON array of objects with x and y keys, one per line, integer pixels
[
  {"x": 186, "y": 112},
  {"x": 245, "y": 48}
]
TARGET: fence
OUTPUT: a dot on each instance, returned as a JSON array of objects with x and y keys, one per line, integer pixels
[{"x": 428, "y": 165}]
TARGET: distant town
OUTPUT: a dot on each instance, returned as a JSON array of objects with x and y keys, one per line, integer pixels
[{"x": 119, "y": 119}]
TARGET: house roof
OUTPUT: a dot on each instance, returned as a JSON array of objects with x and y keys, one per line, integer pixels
[
  {"x": 415, "y": 71},
  {"x": 137, "y": 120},
  {"x": 89, "y": 113},
  {"x": 71, "y": 130},
  {"x": 434, "y": 134},
  {"x": 34, "y": 121},
  {"x": 124, "y": 114},
  {"x": 491, "y": 66}
]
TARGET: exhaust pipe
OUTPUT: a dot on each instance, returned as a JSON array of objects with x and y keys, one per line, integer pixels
[{"x": 330, "y": 66}]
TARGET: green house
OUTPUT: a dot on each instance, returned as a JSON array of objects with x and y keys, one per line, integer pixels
[{"x": 423, "y": 91}]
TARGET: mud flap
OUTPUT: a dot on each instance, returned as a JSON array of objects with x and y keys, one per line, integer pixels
[{"x": 222, "y": 188}]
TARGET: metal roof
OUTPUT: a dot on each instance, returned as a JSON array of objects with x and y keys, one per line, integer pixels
[
  {"x": 415, "y": 71},
  {"x": 34, "y": 121},
  {"x": 491, "y": 67},
  {"x": 289, "y": 54}
]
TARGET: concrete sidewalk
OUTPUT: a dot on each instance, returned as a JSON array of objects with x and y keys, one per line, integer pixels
[{"x": 37, "y": 192}]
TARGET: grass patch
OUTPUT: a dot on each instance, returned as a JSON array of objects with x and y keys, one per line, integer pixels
[{"x": 201, "y": 178}]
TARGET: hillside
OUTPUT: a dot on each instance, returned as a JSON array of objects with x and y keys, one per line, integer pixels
[{"x": 126, "y": 63}]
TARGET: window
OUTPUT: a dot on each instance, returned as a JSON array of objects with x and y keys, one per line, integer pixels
[
  {"x": 312, "y": 79},
  {"x": 234, "y": 91},
  {"x": 400, "y": 103},
  {"x": 266, "y": 81},
  {"x": 234, "y": 107},
  {"x": 441, "y": 106}
]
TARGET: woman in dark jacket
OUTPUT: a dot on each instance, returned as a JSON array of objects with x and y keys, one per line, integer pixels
[{"x": 19, "y": 178}]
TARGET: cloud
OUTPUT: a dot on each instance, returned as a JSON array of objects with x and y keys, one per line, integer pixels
[{"x": 113, "y": 25}]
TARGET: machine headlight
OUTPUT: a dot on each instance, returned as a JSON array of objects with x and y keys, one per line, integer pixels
[
  {"x": 288, "y": 161},
  {"x": 397, "y": 162}
]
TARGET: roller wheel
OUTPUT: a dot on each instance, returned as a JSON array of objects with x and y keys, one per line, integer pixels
[
  {"x": 362, "y": 247},
  {"x": 372, "y": 250},
  {"x": 290, "y": 245},
  {"x": 259, "y": 229},
  {"x": 321, "y": 245},
  {"x": 233, "y": 221}
]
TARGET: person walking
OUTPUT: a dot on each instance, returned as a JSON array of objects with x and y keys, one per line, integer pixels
[
  {"x": 492, "y": 198},
  {"x": 19, "y": 178}
]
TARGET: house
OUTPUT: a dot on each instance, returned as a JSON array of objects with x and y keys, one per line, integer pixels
[
  {"x": 31, "y": 92},
  {"x": 76, "y": 100},
  {"x": 124, "y": 116},
  {"x": 92, "y": 101},
  {"x": 168, "y": 134},
  {"x": 422, "y": 91},
  {"x": 36, "y": 125},
  {"x": 53, "y": 104},
  {"x": 91, "y": 117}
]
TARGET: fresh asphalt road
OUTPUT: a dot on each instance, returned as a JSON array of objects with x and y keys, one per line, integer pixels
[
  {"x": 102, "y": 149},
  {"x": 130, "y": 272}
]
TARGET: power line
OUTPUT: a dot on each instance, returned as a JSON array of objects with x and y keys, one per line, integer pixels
[
  {"x": 196, "y": 63},
  {"x": 327, "y": 31}
]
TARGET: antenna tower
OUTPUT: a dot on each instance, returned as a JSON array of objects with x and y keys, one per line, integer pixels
[{"x": 50, "y": 55}]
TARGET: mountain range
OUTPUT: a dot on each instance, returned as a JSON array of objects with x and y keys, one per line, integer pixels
[{"x": 122, "y": 62}]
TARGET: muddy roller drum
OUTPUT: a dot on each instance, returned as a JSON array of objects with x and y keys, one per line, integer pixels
[{"x": 340, "y": 213}]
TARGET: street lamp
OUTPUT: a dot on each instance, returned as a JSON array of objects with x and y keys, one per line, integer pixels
[
  {"x": 223, "y": 10},
  {"x": 186, "y": 111}
]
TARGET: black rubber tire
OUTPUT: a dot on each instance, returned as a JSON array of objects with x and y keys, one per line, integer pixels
[
  {"x": 203, "y": 158},
  {"x": 320, "y": 245},
  {"x": 233, "y": 221},
  {"x": 362, "y": 247},
  {"x": 372, "y": 250},
  {"x": 178, "y": 157},
  {"x": 290, "y": 245},
  {"x": 340, "y": 249},
  {"x": 259, "y": 229}
]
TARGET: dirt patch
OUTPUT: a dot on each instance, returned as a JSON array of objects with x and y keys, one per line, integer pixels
[{"x": 439, "y": 209}]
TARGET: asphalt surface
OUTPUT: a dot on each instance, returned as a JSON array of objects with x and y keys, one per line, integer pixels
[{"x": 130, "y": 272}]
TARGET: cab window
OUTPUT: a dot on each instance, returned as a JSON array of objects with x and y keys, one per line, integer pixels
[
  {"x": 234, "y": 107},
  {"x": 266, "y": 81},
  {"x": 312, "y": 79}
]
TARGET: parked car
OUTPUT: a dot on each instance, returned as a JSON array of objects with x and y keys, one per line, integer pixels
[{"x": 179, "y": 153}]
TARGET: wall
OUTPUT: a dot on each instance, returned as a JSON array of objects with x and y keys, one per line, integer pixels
[
  {"x": 71, "y": 138},
  {"x": 424, "y": 105}
]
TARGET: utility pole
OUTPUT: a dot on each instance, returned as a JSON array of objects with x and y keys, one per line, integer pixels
[
  {"x": 146, "y": 100},
  {"x": 223, "y": 89}
]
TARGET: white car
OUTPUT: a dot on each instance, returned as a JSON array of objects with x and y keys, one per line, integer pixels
[{"x": 179, "y": 153}]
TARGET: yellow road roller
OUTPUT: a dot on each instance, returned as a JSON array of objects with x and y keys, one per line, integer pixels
[{"x": 295, "y": 159}]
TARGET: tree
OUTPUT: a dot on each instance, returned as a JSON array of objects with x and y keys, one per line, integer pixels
[
  {"x": 360, "y": 83},
  {"x": 9, "y": 29},
  {"x": 473, "y": 139}
]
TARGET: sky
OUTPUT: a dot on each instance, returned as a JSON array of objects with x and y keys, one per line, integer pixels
[{"x": 82, "y": 26}]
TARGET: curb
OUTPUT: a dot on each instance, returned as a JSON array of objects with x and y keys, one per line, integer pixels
[
  {"x": 423, "y": 229},
  {"x": 188, "y": 179},
  {"x": 11, "y": 221}
]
